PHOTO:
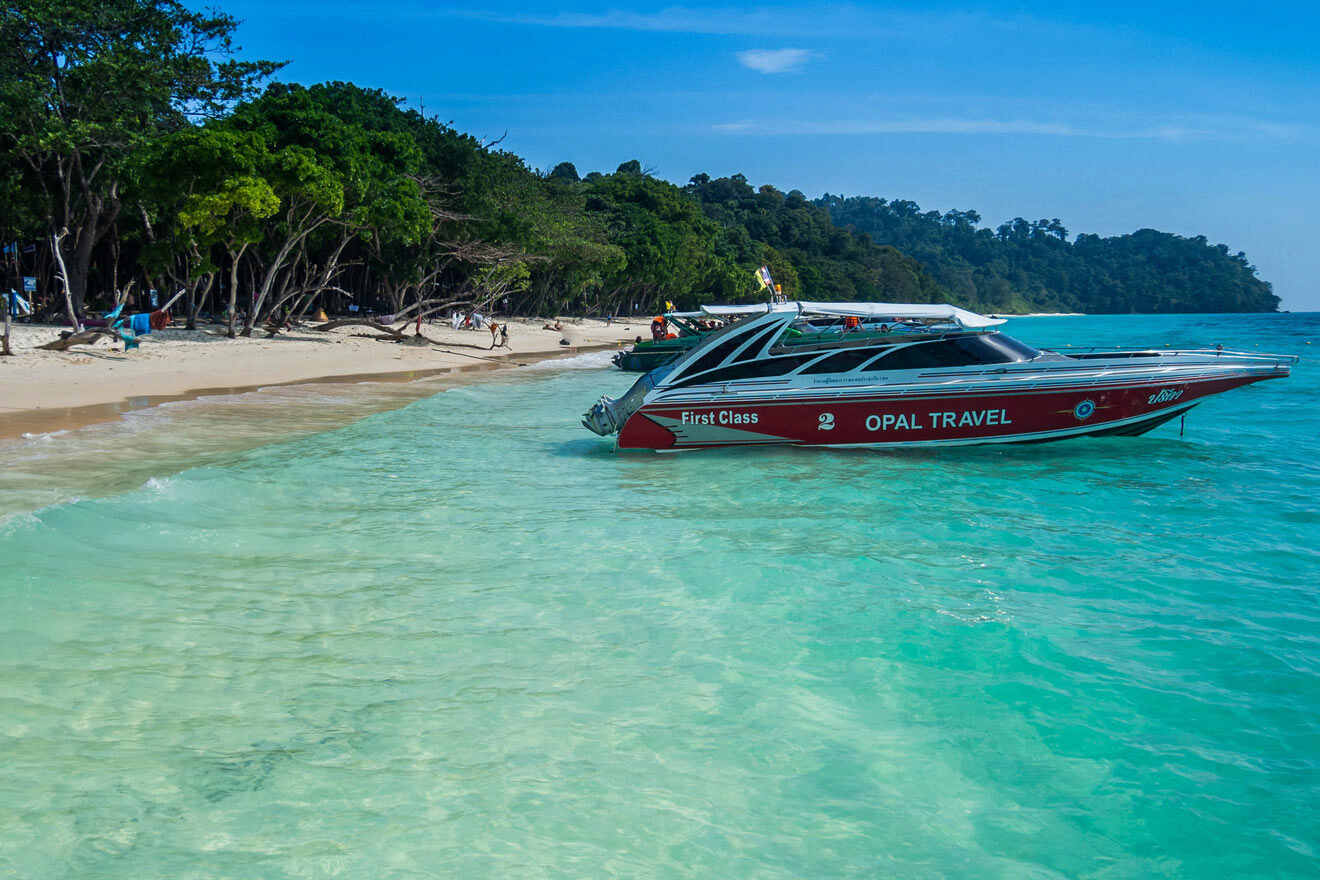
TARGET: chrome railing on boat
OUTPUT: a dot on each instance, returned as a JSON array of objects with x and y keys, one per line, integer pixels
[{"x": 1071, "y": 350}]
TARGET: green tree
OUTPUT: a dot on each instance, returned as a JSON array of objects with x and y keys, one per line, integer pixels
[
  {"x": 565, "y": 172},
  {"x": 1031, "y": 265},
  {"x": 342, "y": 166},
  {"x": 84, "y": 83},
  {"x": 211, "y": 182}
]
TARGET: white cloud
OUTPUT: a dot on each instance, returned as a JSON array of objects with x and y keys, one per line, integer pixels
[
  {"x": 674, "y": 19},
  {"x": 1042, "y": 121},
  {"x": 963, "y": 126},
  {"x": 682, "y": 19},
  {"x": 818, "y": 20},
  {"x": 775, "y": 60}
]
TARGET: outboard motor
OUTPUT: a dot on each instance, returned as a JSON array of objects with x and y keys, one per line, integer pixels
[
  {"x": 609, "y": 415},
  {"x": 601, "y": 418}
]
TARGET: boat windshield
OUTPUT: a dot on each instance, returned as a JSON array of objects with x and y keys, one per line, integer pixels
[
  {"x": 1011, "y": 349},
  {"x": 898, "y": 347},
  {"x": 827, "y": 344},
  {"x": 833, "y": 331},
  {"x": 967, "y": 350}
]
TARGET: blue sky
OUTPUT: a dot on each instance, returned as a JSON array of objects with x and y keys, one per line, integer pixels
[{"x": 1195, "y": 118}]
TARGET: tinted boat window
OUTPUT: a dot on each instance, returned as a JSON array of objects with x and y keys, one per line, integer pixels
[
  {"x": 751, "y": 370},
  {"x": 925, "y": 355},
  {"x": 1016, "y": 351},
  {"x": 752, "y": 350},
  {"x": 843, "y": 361},
  {"x": 960, "y": 351},
  {"x": 713, "y": 357},
  {"x": 980, "y": 351}
]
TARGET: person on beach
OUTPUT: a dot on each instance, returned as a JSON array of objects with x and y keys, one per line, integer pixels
[
  {"x": 494, "y": 332},
  {"x": 504, "y": 335}
]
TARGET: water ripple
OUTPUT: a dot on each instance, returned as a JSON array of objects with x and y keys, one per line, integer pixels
[{"x": 460, "y": 638}]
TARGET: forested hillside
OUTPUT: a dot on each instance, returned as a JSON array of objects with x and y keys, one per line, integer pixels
[
  {"x": 135, "y": 153},
  {"x": 1032, "y": 266}
]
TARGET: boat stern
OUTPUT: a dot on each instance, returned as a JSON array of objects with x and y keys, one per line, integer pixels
[
  {"x": 609, "y": 415},
  {"x": 602, "y": 418}
]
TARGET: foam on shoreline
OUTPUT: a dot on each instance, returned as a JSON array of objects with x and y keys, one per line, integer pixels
[
  {"x": 108, "y": 448},
  {"x": 44, "y": 391}
]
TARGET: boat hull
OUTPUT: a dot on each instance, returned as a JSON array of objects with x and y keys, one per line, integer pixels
[
  {"x": 643, "y": 361},
  {"x": 910, "y": 418}
]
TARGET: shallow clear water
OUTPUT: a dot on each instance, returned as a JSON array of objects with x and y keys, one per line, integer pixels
[{"x": 466, "y": 639}]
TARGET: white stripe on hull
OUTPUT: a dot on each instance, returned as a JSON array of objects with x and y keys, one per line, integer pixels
[
  {"x": 723, "y": 395},
  {"x": 1035, "y": 437}
]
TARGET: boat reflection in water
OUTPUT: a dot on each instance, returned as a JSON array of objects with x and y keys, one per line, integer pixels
[{"x": 895, "y": 375}]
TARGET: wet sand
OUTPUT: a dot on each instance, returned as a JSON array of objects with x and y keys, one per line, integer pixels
[{"x": 44, "y": 391}]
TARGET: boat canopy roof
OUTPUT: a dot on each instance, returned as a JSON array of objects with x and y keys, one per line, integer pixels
[
  {"x": 907, "y": 311},
  {"x": 721, "y": 311}
]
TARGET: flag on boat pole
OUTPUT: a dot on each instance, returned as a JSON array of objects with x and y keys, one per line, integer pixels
[{"x": 763, "y": 278}]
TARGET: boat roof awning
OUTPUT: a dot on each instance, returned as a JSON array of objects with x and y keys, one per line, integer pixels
[
  {"x": 743, "y": 310},
  {"x": 904, "y": 311},
  {"x": 909, "y": 311}
]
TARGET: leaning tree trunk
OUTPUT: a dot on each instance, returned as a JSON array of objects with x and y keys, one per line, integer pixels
[
  {"x": 69, "y": 309},
  {"x": 82, "y": 337},
  {"x": 279, "y": 264},
  {"x": 305, "y": 306},
  {"x": 234, "y": 259},
  {"x": 197, "y": 300}
]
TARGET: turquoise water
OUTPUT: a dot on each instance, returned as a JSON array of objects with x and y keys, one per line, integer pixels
[{"x": 464, "y": 638}]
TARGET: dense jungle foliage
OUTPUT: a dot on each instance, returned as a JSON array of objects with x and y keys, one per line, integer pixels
[
  {"x": 1031, "y": 266},
  {"x": 135, "y": 151}
]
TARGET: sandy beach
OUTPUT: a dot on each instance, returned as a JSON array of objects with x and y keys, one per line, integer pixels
[{"x": 45, "y": 390}]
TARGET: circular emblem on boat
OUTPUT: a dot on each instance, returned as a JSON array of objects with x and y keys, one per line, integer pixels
[{"x": 1083, "y": 410}]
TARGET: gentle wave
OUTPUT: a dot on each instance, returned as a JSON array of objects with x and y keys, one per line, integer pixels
[
  {"x": 43, "y": 436},
  {"x": 592, "y": 360},
  {"x": 462, "y": 632}
]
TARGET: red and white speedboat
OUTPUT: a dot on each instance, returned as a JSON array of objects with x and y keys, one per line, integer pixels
[{"x": 888, "y": 375}]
